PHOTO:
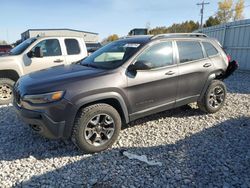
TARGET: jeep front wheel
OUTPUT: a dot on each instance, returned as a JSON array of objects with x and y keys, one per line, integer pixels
[
  {"x": 96, "y": 128},
  {"x": 6, "y": 88}
]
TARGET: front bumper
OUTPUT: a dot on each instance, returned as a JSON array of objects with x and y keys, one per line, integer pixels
[
  {"x": 42, "y": 123},
  {"x": 52, "y": 121}
]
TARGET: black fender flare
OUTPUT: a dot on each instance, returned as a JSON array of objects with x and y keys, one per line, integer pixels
[
  {"x": 210, "y": 78},
  {"x": 104, "y": 96}
]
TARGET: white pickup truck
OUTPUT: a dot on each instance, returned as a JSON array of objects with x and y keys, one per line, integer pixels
[{"x": 35, "y": 54}]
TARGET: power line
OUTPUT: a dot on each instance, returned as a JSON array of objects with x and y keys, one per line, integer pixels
[{"x": 202, "y": 10}]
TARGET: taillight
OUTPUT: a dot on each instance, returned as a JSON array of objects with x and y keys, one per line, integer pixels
[{"x": 228, "y": 58}]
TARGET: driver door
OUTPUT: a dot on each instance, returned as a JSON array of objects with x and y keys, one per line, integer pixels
[
  {"x": 52, "y": 56},
  {"x": 154, "y": 90}
]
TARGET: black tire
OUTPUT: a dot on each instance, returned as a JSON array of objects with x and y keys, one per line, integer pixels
[
  {"x": 5, "y": 85},
  {"x": 82, "y": 121},
  {"x": 211, "y": 103}
]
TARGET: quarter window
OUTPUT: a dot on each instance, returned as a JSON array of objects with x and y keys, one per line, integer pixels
[
  {"x": 210, "y": 49},
  {"x": 50, "y": 47},
  {"x": 189, "y": 51},
  {"x": 72, "y": 46},
  {"x": 158, "y": 55}
]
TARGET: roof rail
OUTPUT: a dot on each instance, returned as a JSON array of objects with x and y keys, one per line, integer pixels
[
  {"x": 135, "y": 36},
  {"x": 179, "y": 35}
]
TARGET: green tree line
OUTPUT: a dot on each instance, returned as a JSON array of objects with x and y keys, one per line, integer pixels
[{"x": 227, "y": 11}]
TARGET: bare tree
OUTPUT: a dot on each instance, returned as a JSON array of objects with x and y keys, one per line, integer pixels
[
  {"x": 239, "y": 8},
  {"x": 225, "y": 13}
]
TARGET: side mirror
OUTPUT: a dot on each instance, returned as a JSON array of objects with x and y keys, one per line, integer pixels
[
  {"x": 139, "y": 65},
  {"x": 38, "y": 52},
  {"x": 30, "y": 54}
]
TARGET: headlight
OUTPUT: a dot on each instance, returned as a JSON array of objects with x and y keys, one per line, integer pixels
[{"x": 44, "y": 98}]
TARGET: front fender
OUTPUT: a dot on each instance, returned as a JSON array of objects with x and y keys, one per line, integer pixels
[
  {"x": 104, "y": 96},
  {"x": 11, "y": 63}
]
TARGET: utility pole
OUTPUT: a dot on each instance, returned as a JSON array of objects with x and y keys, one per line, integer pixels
[{"x": 202, "y": 11}]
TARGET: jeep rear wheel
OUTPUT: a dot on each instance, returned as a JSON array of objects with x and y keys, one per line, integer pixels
[
  {"x": 214, "y": 98},
  {"x": 96, "y": 128},
  {"x": 6, "y": 88}
]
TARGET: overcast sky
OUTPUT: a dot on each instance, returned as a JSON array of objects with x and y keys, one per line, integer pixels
[{"x": 102, "y": 16}]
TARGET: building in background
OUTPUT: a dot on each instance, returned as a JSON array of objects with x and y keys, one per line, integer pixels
[
  {"x": 89, "y": 37},
  {"x": 235, "y": 39}
]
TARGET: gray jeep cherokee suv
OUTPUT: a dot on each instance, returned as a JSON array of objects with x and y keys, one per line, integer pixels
[{"x": 124, "y": 80}]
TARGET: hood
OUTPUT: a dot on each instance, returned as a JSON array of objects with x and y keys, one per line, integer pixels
[
  {"x": 55, "y": 77},
  {"x": 63, "y": 72},
  {"x": 6, "y": 58}
]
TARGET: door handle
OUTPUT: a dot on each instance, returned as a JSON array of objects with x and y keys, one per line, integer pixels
[
  {"x": 207, "y": 65},
  {"x": 58, "y": 61},
  {"x": 169, "y": 73}
]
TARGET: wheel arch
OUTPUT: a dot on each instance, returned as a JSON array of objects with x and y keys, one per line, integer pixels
[
  {"x": 11, "y": 74},
  {"x": 216, "y": 75},
  {"x": 112, "y": 98}
]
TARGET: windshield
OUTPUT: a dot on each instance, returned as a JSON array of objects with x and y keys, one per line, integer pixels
[
  {"x": 23, "y": 46},
  {"x": 112, "y": 55}
]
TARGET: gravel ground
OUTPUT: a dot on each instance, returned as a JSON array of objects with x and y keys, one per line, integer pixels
[{"x": 195, "y": 149}]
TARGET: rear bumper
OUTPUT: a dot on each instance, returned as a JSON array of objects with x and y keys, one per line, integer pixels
[
  {"x": 42, "y": 123},
  {"x": 232, "y": 66}
]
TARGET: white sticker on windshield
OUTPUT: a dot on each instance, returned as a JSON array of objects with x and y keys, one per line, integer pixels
[{"x": 131, "y": 45}]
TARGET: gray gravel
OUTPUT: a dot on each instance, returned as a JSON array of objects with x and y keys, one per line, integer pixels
[{"x": 195, "y": 149}]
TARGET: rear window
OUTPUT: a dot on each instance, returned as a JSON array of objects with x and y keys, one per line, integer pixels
[
  {"x": 210, "y": 49},
  {"x": 72, "y": 46},
  {"x": 189, "y": 51}
]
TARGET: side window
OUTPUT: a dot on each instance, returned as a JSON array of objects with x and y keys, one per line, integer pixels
[
  {"x": 72, "y": 46},
  {"x": 189, "y": 51},
  {"x": 158, "y": 55},
  {"x": 210, "y": 49},
  {"x": 50, "y": 47}
]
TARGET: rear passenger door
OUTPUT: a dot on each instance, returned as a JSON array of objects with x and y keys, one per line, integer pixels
[
  {"x": 73, "y": 50},
  {"x": 194, "y": 69}
]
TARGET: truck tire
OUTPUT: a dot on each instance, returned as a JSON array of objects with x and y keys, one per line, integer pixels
[
  {"x": 214, "y": 98},
  {"x": 6, "y": 88},
  {"x": 96, "y": 128}
]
